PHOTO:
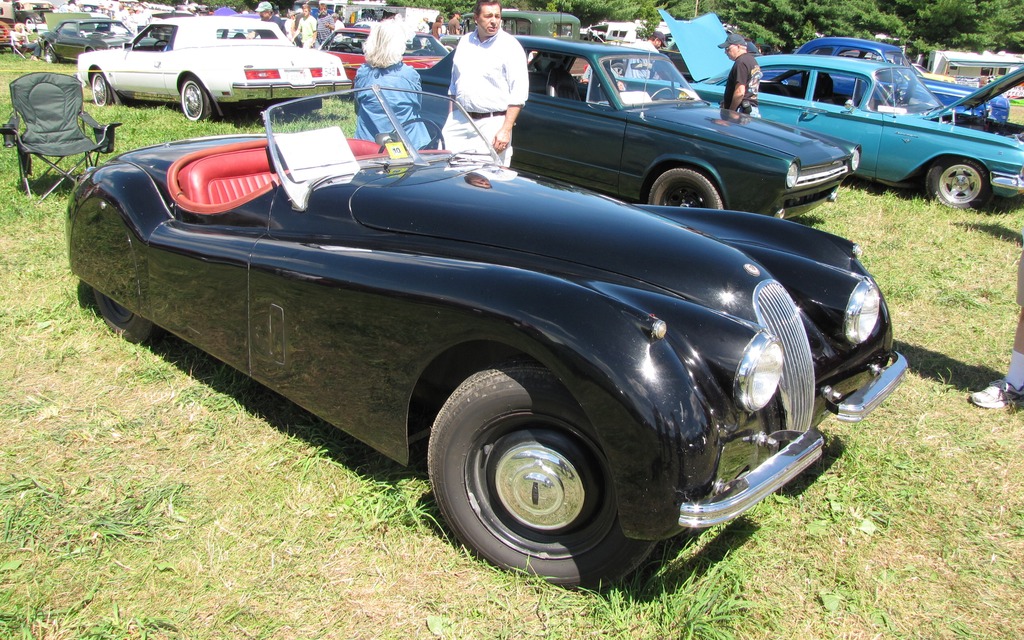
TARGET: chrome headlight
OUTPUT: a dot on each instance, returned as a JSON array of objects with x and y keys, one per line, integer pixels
[
  {"x": 855, "y": 159},
  {"x": 759, "y": 371},
  {"x": 792, "y": 175},
  {"x": 862, "y": 311}
]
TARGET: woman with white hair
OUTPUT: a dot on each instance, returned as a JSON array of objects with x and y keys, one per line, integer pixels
[{"x": 384, "y": 68}]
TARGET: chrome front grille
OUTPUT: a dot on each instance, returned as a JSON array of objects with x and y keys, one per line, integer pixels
[
  {"x": 821, "y": 173},
  {"x": 776, "y": 311}
]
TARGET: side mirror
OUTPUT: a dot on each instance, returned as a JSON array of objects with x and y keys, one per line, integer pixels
[{"x": 848, "y": 105}]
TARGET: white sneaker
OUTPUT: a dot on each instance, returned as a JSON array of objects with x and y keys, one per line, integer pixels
[{"x": 997, "y": 395}]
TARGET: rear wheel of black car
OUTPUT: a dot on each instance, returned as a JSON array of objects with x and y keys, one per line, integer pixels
[
  {"x": 49, "y": 55},
  {"x": 683, "y": 187},
  {"x": 959, "y": 183},
  {"x": 102, "y": 93},
  {"x": 131, "y": 327},
  {"x": 195, "y": 101},
  {"x": 522, "y": 485}
]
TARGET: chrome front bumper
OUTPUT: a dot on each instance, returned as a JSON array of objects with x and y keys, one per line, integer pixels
[
  {"x": 1007, "y": 183},
  {"x": 744, "y": 492},
  {"x": 856, "y": 406}
]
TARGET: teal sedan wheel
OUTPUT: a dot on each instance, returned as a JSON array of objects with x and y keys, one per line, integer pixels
[{"x": 959, "y": 183}]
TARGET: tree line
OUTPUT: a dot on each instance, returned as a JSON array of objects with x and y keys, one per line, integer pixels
[{"x": 918, "y": 25}]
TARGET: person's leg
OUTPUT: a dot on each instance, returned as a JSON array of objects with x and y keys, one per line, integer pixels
[{"x": 1009, "y": 390}]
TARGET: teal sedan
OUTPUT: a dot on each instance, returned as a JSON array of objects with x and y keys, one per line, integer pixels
[{"x": 907, "y": 137}]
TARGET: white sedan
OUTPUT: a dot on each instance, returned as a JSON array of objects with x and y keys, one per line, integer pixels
[{"x": 208, "y": 62}]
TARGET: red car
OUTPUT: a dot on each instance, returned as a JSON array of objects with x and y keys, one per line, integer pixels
[{"x": 422, "y": 50}]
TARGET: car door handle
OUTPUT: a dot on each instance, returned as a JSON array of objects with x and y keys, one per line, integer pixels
[{"x": 903, "y": 134}]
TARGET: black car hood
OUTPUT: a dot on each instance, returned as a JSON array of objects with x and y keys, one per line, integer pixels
[
  {"x": 746, "y": 132},
  {"x": 557, "y": 224}
]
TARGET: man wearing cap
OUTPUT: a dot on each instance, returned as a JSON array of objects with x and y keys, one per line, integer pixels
[
  {"x": 744, "y": 78},
  {"x": 266, "y": 11},
  {"x": 654, "y": 43}
]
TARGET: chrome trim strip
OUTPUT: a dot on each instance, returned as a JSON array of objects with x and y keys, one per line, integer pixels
[
  {"x": 856, "y": 406},
  {"x": 815, "y": 175},
  {"x": 744, "y": 492}
]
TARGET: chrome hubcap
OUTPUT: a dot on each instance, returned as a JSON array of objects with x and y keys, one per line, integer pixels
[
  {"x": 961, "y": 184},
  {"x": 99, "y": 90},
  {"x": 192, "y": 100},
  {"x": 539, "y": 486}
]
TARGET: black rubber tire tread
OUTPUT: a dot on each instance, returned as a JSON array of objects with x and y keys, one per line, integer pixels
[
  {"x": 128, "y": 325},
  {"x": 707, "y": 195}
]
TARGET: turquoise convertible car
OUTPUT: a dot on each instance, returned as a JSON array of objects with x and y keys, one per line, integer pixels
[{"x": 907, "y": 136}]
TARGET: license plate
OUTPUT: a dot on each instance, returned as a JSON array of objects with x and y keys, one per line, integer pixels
[{"x": 300, "y": 76}]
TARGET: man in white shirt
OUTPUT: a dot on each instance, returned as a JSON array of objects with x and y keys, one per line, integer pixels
[{"x": 489, "y": 80}]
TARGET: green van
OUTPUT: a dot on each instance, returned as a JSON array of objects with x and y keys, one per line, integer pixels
[{"x": 552, "y": 24}]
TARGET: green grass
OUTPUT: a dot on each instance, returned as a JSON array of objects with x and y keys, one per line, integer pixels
[{"x": 152, "y": 492}]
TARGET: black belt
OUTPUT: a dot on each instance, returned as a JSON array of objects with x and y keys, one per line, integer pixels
[{"x": 489, "y": 114}]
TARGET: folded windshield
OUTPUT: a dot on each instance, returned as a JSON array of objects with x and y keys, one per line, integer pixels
[{"x": 331, "y": 138}]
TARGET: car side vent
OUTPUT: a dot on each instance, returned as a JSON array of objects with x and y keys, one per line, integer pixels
[{"x": 776, "y": 310}]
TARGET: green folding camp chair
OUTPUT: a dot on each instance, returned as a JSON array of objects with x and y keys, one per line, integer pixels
[{"x": 56, "y": 128}]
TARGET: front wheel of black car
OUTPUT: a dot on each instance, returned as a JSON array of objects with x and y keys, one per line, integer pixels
[
  {"x": 49, "y": 55},
  {"x": 683, "y": 187},
  {"x": 959, "y": 183},
  {"x": 131, "y": 327},
  {"x": 522, "y": 485}
]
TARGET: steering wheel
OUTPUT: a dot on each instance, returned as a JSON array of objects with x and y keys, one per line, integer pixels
[
  {"x": 672, "y": 93},
  {"x": 433, "y": 130}
]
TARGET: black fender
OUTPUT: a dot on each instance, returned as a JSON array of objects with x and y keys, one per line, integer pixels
[{"x": 114, "y": 209}]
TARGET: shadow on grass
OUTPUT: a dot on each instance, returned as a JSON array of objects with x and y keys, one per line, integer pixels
[
  {"x": 949, "y": 371},
  {"x": 997, "y": 231}
]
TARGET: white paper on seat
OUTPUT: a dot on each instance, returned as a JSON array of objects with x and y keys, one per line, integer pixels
[
  {"x": 635, "y": 97},
  {"x": 318, "y": 153}
]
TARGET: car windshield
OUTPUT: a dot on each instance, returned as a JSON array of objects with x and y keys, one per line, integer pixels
[
  {"x": 331, "y": 138},
  {"x": 639, "y": 77},
  {"x": 900, "y": 90},
  {"x": 424, "y": 45},
  {"x": 105, "y": 29}
]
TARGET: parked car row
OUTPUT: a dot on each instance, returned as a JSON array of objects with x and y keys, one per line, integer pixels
[
  {"x": 997, "y": 109},
  {"x": 650, "y": 137},
  {"x": 957, "y": 152}
]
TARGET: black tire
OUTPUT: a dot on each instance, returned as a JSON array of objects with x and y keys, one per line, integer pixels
[
  {"x": 682, "y": 187},
  {"x": 517, "y": 423},
  {"x": 195, "y": 100},
  {"x": 49, "y": 55},
  {"x": 959, "y": 183},
  {"x": 131, "y": 327},
  {"x": 103, "y": 94}
]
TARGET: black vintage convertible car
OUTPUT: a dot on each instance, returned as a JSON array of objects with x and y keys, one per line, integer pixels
[{"x": 590, "y": 376}]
